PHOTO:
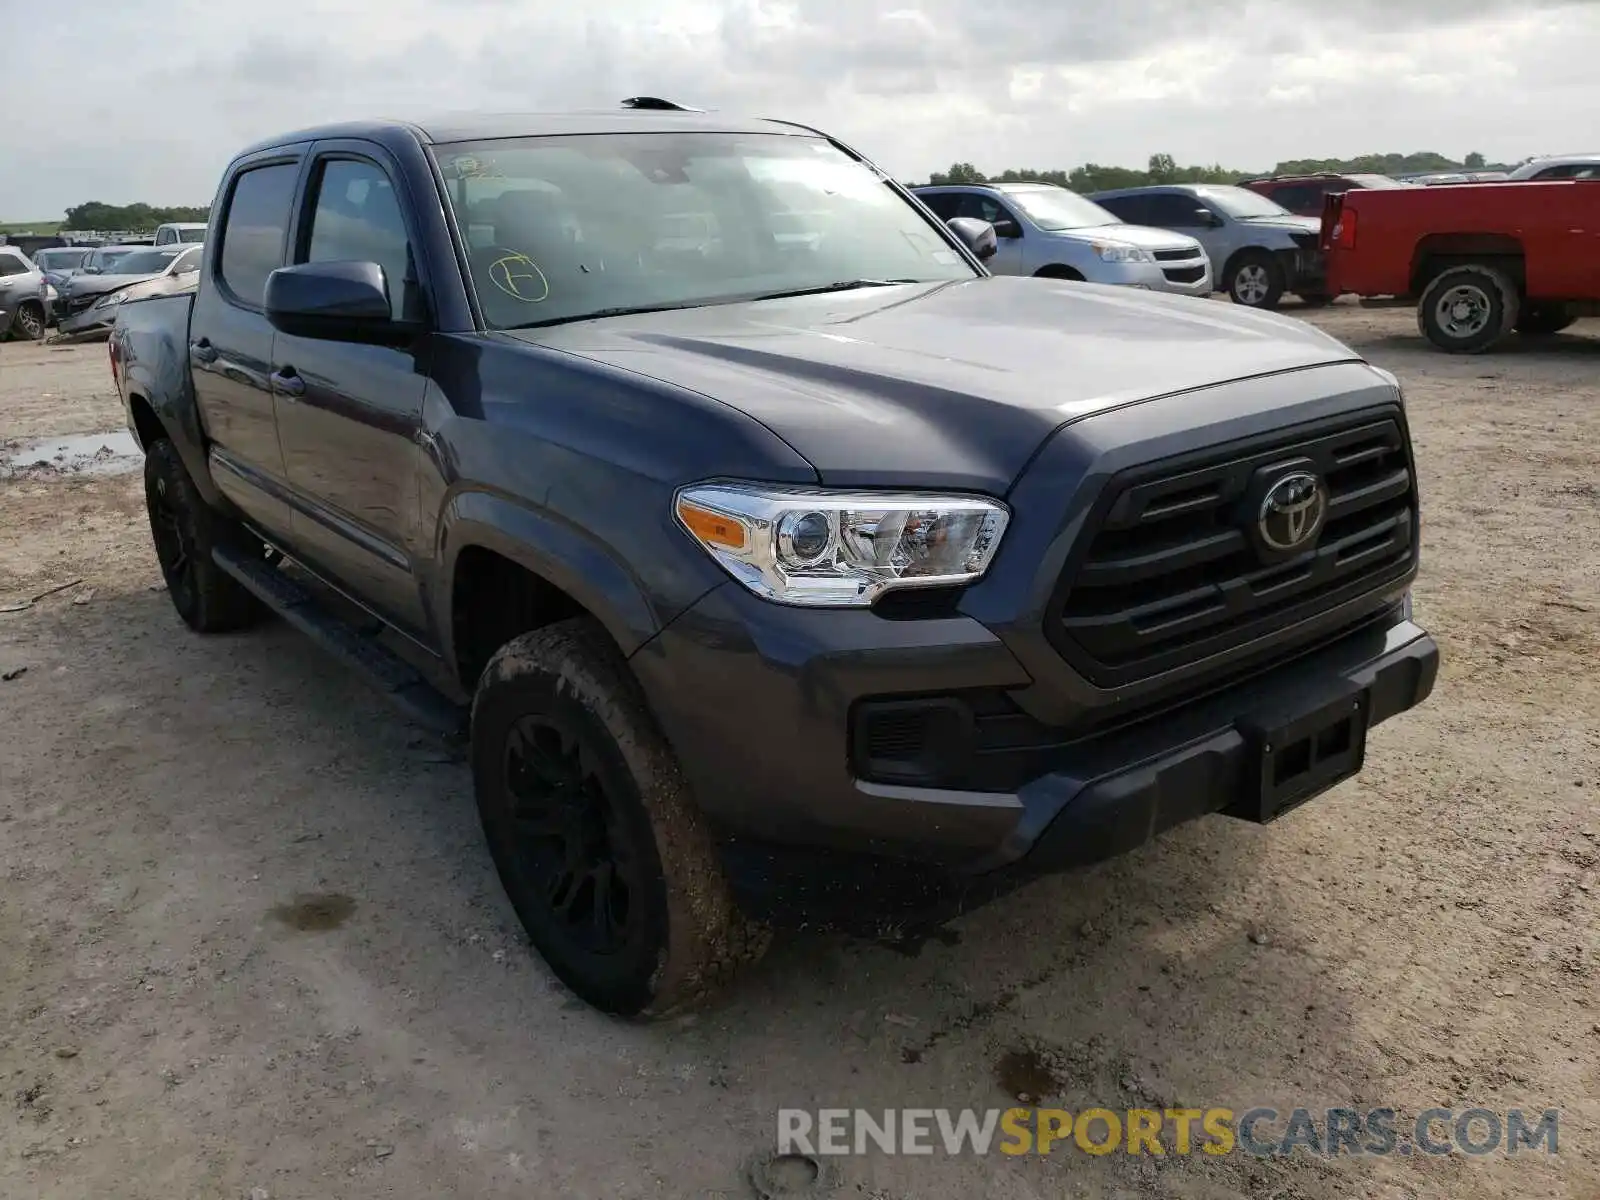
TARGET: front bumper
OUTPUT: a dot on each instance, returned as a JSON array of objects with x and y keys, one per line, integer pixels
[
  {"x": 89, "y": 321},
  {"x": 760, "y": 700},
  {"x": 1182, "y": 278}
]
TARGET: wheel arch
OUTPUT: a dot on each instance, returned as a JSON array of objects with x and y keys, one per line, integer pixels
[
  {"x": 1058, "y": 270},
  {"x": 508, "y": 569},
  {"x": 1438, "y": 252}
]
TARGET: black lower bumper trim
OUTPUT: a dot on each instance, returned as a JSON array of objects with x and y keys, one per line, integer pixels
[{"x": 1116, "y": 812}]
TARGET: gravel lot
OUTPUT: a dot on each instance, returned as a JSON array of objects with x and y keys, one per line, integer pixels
[{"x": 182, "y": 1016}]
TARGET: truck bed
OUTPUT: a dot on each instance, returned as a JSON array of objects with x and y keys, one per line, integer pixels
[{"x": 1390, "y": 242}]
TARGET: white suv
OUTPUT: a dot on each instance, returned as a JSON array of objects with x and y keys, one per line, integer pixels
[{"x": 1050, "y": 231}]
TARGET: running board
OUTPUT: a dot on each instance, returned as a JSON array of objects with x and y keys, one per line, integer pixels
[{"x": 395, "y": 679}]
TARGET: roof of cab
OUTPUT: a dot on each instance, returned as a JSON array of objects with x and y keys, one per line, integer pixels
[{"x": 471, "y": 127}]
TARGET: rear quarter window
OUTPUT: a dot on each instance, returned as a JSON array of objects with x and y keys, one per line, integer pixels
[{"x": 255, "y": 228}]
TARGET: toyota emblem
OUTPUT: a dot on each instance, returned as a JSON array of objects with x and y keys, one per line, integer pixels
[{"x": 1292, "y": 512}]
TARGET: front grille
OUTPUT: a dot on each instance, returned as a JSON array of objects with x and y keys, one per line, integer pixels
[
  {"x": 1184, "y": 274},
  {"x": 76, "y": 304},
  {"x": 1176, "y": 255},
  {"x": 1171, "y": 572}
]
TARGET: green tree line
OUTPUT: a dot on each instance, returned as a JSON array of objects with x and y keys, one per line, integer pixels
[
  {"x": 136, "y": 218},
  {"x": 1163, "y": 168}
]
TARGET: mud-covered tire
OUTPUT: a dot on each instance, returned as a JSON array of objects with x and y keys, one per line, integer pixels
[
  {"x": 185, "y": 530},
  {"x": 1542, "y": 320},
  {"x": 29, "y": 322},
  {"x": 1467, "y": 309},
  {"x": 1256, "y": 279},
  {"x": 579, "y": 792}
]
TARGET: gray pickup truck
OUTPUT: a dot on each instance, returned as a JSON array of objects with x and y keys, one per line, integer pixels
[{"x": 765, "y": 547}]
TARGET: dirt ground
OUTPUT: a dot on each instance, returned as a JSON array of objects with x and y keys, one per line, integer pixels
[{"x": 251, "y": 944}]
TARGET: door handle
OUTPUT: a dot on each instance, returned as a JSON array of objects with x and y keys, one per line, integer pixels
[
  {"x": 203, "y": 352},
  {"x": 287, "y": 383}
]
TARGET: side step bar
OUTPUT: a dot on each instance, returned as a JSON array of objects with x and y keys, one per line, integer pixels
[{"x": 396, "y": 680}]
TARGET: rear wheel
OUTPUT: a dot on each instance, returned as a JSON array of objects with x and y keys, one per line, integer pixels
[
  {"x": 595, "y": 835},
  {"x": 29, "y": 321},
  {"x": 1256, "y": 280},
  {"x": 1467, "y": 309},
  {"x": 185, "y": 530},
  {"x": 1538, "y": 320}
]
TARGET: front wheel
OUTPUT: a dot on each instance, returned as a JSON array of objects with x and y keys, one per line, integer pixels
[
  {"x": 599, "y": 844},
  {"x": 1256, "y": 280},
  {"x": 1467, "y": 309},
  {"x": 29, "y": 321}
]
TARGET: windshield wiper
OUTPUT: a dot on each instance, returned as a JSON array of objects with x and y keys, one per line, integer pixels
[
  {"x": 843, "y": 285},
  {"x": 625, "y": 311}
]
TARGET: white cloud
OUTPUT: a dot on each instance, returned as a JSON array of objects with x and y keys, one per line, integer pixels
[{"x": 180, "y": 85}]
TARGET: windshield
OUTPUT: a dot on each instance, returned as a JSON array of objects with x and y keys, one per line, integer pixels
[
  {"x": 1057, "y": 208},
  {"x": 192, "y": 235},
  {"x": 106, "y": 259},
  {"x": 146, "y": 262},
  {"x": 559, "y": 228},
  {"x": 60, "y": 260},
  {"x": 1378, "y": 182},
  {"x": 1240, "y": 203}
]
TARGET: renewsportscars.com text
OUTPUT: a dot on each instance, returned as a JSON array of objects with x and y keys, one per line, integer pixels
[{"x": 1264, "y": 1132}]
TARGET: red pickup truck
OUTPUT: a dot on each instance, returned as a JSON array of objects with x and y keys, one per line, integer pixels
[{"x": 1479, "y": 260}]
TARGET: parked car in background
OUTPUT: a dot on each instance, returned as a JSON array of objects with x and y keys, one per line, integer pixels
[
  {"x": 1302, "y": 194},
  {"x": 181, "y": 271},
  {"x": 1258, "y": 249},
  {"x": 767, "y": 564},
  {"x": 1479, "y": 261},
  {"x": 31, "y": 243},
  {"x": 1041, "y": 229},
  {"x": 1558, "y": 166},
  {"x": 24, "y": 310},
  {"x": 110, "y": 270},
  {"x": 62, "y": 262},
  {"x": 180, "y": 231}
]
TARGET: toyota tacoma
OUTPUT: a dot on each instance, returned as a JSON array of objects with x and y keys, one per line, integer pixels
[{"x": 741, "y": 556}]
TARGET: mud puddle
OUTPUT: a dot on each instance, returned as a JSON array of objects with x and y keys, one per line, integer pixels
[{"x": 85, "y": 454}]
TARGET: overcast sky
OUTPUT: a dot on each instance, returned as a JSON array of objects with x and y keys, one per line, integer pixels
[{"x": 147, "y": 99}]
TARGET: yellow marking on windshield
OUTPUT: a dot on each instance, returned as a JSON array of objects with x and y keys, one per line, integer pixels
[{"x": 516, "y": 275}]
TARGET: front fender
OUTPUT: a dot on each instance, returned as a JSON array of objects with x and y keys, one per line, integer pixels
[{"x": 556, "y": 551}]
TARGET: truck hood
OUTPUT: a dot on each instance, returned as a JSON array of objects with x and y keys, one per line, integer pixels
[
  {"x": 1141, "y": 236},
  {"x": 948, "y": 385}
]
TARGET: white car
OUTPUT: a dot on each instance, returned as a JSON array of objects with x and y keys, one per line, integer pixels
[
  {"x": 1559, "y": 166},
  {"x": 1050, "y": 231}
]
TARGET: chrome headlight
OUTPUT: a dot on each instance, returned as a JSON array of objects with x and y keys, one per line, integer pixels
[
  {"x": 835, "y": 549},
  {"x": 112, "y": 300},
  {"x": 1112, "y": 253}
]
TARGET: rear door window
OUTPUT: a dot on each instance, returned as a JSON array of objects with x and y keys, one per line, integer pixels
[
  {"x": 1173, "y": 211},
  {"x": 945, "y": 205},
  {"x": 254, "y": 229},
  {"x": 13, "y": 264}
]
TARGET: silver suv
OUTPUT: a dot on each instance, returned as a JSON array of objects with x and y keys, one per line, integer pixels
[
  {"x": 1046, "y": 230},
  {"x": 1259, "y": 250},
  {"x": 23, "y": 292}
]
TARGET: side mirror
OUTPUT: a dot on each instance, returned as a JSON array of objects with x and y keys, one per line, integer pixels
[
  {"x": 1207, "y": 219},
  {"x": 978, "y": 236},
  {"x": 1007, "y": 229},
  {"x": 335, "y": 301}
]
